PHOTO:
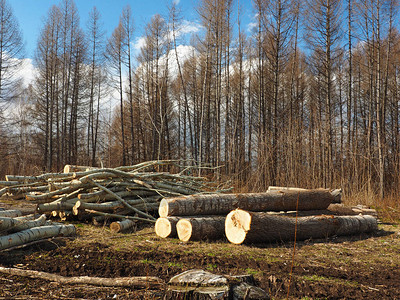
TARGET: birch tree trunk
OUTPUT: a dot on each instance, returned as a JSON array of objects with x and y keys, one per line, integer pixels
[{"x": 36, "y": 233}]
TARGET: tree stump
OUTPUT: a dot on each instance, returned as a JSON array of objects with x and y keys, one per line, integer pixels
[{"x": 203, "y": 285}]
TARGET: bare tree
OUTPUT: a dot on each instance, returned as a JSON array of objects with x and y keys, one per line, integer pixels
[
  {"x": 95, "y": 37},
  {"x": 11, "y": 51},
  {"x": 115, "y": 56}
]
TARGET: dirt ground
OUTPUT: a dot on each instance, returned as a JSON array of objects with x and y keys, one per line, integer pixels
[{"x": 366, "y": 266}]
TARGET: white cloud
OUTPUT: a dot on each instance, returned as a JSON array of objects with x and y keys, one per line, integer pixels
[
  {"x": 176, "y": 2},
  {"x": 139, "y": 43},
  {"x": 27, "y": 71},
  {"x": 251, "y": 26},
  {"x": 189, "y": 27}
]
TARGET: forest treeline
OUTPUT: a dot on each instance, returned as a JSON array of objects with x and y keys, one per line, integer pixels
[{"x": 308, "y": 96}]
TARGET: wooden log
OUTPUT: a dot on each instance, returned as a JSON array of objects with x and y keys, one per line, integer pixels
[
  {"x": 220, "y": 204},
  {"x": 336, "y": 193},
  {"x": 149, "y": 203},
  {"x": 25, "y": 179},
  {"x": 352, "y": 210},
  {"x": 8, "y": 183},
  {"x": 121, "y": 226},
  {"x": 119, "y": 216},
  {"x": 166, "y": 227},
  {"x": 56, "y": 205},
  {"x": 11, "y": 213},
  {"x": 257, "y": 227},
  {"x": 138, "y": 281},
  {"x": 74, "y": 168},
  {"x": 285, "y": 188},
  {"x": 15, "y": 225},
  {"x": 201, "y": 228},
  {"x": 36, "y": 233}
]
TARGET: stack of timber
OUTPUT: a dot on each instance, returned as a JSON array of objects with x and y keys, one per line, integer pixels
[
  {"x": 258, "y": 217},
  {"x": 17, "y": 230},
  {"x": 124, "y": 193}
]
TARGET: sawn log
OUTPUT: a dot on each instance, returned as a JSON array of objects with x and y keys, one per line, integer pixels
[
  {"x": 201, "y": 228},
  {"x": 257, "y": 227},
  {"x": 222, "y": 204}
]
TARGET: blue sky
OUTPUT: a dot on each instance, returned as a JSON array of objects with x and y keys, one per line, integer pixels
[{"x": 31, "y": 13}]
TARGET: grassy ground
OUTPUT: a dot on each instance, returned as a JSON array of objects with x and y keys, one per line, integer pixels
[{"x": 363, "y": 266}]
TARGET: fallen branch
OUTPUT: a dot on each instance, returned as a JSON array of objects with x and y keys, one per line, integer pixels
[{"x": 138, "y": 281}]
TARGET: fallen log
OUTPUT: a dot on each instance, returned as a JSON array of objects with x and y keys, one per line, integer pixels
[
  {"x": 352, "y": 210},
  {"x": 15, "y": 225},
  {"x": 36, "y": 233},
  {"x": 139, "y": 281},
  {"x": 220, "y": 204},
  {"x": 200, "y": 228},
  {"x": 336, "y": 193},
  {"x": 74, "y": 168},
  {"x": 11, "y": 213},
  {"x": 121, "y": 226},
  {"x": 166, "y": 227},
  {"x": 256, "y": 227}
]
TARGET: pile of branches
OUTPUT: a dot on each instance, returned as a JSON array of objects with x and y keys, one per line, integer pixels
[
  {"x": 127, "y": 192},
  {"x": 17, "y": 230}
]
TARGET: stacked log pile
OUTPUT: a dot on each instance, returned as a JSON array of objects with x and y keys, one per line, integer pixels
[
  {"x": 259, "y": 217},
  {"x": 17, "y": 230},
  {"x": 128, "y": 192}
]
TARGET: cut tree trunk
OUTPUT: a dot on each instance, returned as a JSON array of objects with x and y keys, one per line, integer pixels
[
  {"x": 201, "y": 228},
  {"x": 352, "y": 210},
  {"x": 15, "y": 225},
  {"x": 11, "y": 213},
  {"x": 36, "y": 233},
  {"x": 336, "y": 193},
  {"x": 121, "y": 226},
  {"x": 257, "y": 227},
  {"x": 74, "y": 168},
  {"x": 139, "y": 281},
  {"x": 222, "y": 204},
  {"x": 166, "y": 227}
]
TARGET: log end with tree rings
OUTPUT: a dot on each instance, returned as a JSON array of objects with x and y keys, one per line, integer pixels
[
  {"x": 166, "y": 227},
  {"x": 121, "y": 226},
  {"x": 184, "y": 229},
  {"x": 237, "y": 224},
  {"x": 163, "y": 208}
]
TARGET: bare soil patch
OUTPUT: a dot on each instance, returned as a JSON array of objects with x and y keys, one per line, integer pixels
[{"x": 365, "y": 266}]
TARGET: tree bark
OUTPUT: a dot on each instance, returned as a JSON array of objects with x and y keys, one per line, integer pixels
[
  {"x": 166, "y": 227},
  {"x": 139, "y": 281},
  {"x": 336, "y": 193},
  {"x": 15, "y": 225},
  {"x": 121, "y": 226},
  {"x": 36, "y": 233},
  {"x": 11, "y": 213},
  {"x": 200, "y": 228},
  {"x": 252, "y": 227},
  {"x": 220, "y": 204}
]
